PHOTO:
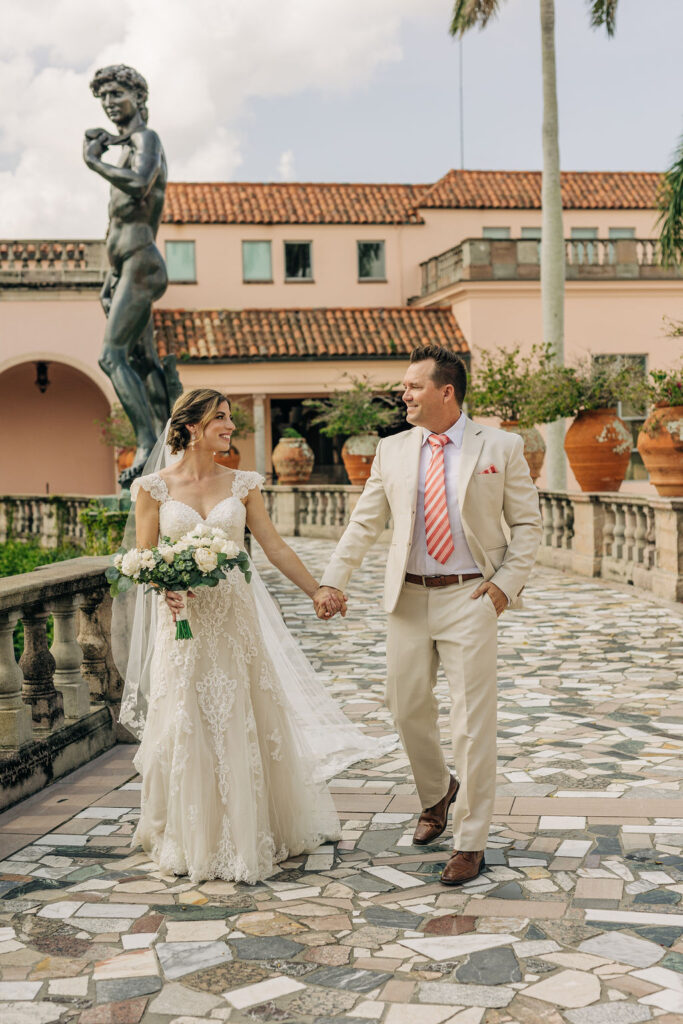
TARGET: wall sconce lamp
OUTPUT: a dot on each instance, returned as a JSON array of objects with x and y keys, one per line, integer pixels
[{"x": 42, "y": 381}]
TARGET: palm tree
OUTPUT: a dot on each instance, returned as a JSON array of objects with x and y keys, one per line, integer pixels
[
  {"x": 671, "y": 210},
  {"x": 466, "y": 15}
]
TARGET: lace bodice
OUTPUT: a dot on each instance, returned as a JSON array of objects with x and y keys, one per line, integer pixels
[{"x": 177, "y": 518}]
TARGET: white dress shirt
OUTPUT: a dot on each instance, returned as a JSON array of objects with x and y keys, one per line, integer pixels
[{"x": 420, "y": 561}]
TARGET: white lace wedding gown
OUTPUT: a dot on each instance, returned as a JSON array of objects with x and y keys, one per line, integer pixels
[{"x": 230, "y": 785}]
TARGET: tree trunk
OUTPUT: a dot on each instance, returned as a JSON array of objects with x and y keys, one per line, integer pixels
[{"x": 552, "y": 236}]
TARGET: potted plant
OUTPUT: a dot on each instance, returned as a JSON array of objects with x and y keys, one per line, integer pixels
[
  {"x": 356, "y": 413},
  {"x": 116, "y": 431},
  {"x": 598, "y": 443},
  {"x": 660, "y": 442},
  {"x": 500, "y": 387},
  {"x": 292, "y": 458},
  {"x": 244, "y": 425}
]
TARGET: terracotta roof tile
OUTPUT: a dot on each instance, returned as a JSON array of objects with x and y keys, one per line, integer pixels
[
  {"x": 291, "y": 203},
  {"x": 287, "y": 334},
  {"x": 521, "y": 190},
  {"x": 325, "y": 203}
]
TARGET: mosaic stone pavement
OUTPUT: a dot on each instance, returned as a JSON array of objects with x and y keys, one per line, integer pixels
[{"x": 578, "y": 919}]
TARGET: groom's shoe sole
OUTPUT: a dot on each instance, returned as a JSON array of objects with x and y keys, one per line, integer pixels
[{"x": 426, "y": 842}]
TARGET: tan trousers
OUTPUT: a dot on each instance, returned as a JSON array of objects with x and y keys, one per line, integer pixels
[{"x": 445, "y": 625}]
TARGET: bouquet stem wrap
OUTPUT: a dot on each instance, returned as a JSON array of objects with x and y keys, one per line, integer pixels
[{"x": 182, "y": 626}]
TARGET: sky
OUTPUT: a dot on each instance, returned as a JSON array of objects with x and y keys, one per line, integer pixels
[{"x": 323, "y": 90}]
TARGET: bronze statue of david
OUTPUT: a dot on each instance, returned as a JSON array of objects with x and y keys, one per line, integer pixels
[{"x": 137, "y": 272}]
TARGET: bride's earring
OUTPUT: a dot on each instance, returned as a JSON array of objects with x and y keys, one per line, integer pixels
[{"x": 193, "y": 441}]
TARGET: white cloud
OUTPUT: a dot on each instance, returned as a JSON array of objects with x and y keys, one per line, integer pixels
[
  {"x": 204, "y": 60},
  {"x": 285, "y": 166}
]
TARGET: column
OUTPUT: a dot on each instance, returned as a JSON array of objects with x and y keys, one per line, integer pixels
[
  {"x": 68, "y": 657},
  {"x": 38, "y": 666},
  {"x": 260, "y": 433},
  {"x": 15, "y": 717}
]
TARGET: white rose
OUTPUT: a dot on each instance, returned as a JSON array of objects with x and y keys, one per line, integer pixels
[
  {"x": 179, "y": 547},
  {"x": 131, "y": 563},
  {"x": 217, "y": 544},
  {"x": 203, "y": 542},
  {"x": 147, "y": 560},
  {"x": 118, "y": 560},
  {"x": 230, "y": 549},
  {"x": 206, "y": 560},
  {"x": 217, "y": 532},
  {"x": 167, "y": 553}
]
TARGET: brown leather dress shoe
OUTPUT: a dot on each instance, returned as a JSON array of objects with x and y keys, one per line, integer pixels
[
  {"x": 433, "y": 820},
  {"x": 463, "y": 866}
]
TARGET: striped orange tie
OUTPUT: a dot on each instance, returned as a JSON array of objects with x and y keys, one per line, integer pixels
[{"x": 439, "y": 538}]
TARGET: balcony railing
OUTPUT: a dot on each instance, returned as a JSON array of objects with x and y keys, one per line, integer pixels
[
  {"x": 51, "y": 264},
  {"x": 519, "y": 259}
]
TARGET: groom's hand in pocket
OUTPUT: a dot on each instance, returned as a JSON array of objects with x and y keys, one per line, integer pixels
[{"x": 327, "y": 601}]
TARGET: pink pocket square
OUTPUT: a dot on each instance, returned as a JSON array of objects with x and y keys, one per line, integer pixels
[{"x": 489, "y": 469}]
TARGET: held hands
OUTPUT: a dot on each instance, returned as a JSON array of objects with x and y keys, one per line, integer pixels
[
  {"x": 498, "y": 597},
  {"x": 327, "y": 601}
]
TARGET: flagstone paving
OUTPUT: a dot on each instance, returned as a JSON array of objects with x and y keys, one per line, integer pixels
[{"x": 578, "y": 919}]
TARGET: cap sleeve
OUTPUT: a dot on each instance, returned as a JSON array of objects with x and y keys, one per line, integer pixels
[
  {"x": 245, "y": 482},
  {"x": 153, "y": 483}
]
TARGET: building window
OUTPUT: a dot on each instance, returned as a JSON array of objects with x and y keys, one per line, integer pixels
[
  {"x": 582, "y": 252},
  {"x": 532, "y": 234},
  {"x": 298, "y": 262},
  {"x": 256, "y": 262},
  {"x": 616, "y": 233},
  {"x": 371, "y": 262},
  {"x": 180, "y": 262},
  {"x": 496, "y": 233},
  {"x": 632, "y": 416}
]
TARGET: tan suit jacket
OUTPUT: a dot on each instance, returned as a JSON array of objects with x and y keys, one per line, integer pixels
[{"x": 486, "y": 499}]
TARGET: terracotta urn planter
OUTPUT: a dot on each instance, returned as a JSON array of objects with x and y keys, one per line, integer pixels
[
  {"x": 358, "y": 454},
  {"x": 293, "y": 460},
  {"x": 124, "y": 459},
  {"x": 534, "y": 445},
  {"x": 229, "y": 459},
  {"x": 598, "y": 445},
  {"x": 660, "y": 444}
]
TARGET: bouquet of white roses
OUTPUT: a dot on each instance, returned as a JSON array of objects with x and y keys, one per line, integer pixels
[{"x": 200, "y": 558}]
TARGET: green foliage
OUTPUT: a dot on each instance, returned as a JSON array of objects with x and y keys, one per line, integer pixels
[
  {"x": 559, "y": 392},
  {"x": 360, "y": 409},
  {"x": 241, "y": 417},
  {"x": 470, "y": 13},
  {"x": 666, "y": 386},
  {"x": 670, "y": 204},
  {"x": 103, "y": 527},
  {"x": 603, "y": 12},
  {"x": 291, "y": 432},
  {"x": 181, "y": 574},
  {"x": 116, "y": 430},
  {"x": 501, "y": 382}
]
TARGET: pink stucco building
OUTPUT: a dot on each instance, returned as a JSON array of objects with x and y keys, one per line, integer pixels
[{"x": 278, "y": 290}]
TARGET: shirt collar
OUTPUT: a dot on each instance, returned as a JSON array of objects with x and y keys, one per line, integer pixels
[{"x": 454, "y": 433}]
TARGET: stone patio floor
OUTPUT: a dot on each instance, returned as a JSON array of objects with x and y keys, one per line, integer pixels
[{"x": 578, "y": 918}]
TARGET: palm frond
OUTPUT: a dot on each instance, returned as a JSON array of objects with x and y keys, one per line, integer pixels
[
  {"x": 604, "y": 12},
  {"x": 670, "y": 204},
  {"x": 469, "y": 13}
]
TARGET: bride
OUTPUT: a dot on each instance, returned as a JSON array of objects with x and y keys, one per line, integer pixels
[{"x": 237, "y": 732}]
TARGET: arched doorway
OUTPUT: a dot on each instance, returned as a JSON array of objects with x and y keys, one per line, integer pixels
[{"x": 49, "y": 443}]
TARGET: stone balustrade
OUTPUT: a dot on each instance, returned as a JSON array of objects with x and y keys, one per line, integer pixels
[
  {"x": 51, "y": 520},
  {"x": 519, "y": 259},
  {"x": 623, "y": 537},
  {"x": 59, "y": 704},
  {"x": 51, "y": 264}
]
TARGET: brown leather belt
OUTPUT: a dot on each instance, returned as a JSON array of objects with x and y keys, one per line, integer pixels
[{"x": 442, "y": 581}]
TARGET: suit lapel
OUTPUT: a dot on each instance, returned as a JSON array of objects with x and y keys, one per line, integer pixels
[
  {"x": 472, "y": 441},
  {"x": 413, "y": 451}
]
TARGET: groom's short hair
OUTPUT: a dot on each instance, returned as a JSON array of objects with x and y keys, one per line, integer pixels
[{"x": 449, "y": 368}]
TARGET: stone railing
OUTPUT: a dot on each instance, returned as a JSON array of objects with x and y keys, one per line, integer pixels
[
  {"x": 50, "y": 264},
  {"x": 59, "y": 703},
  {"x": 51, "y": 520},
  {"x": 627, "y": 538},
  {"x": 311, "y": 510},
  {"x": 519, "y": 259}
]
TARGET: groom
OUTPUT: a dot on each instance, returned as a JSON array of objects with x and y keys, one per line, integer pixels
[{"x": 451, "y": 571}]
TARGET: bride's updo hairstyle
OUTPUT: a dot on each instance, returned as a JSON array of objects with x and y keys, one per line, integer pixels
[{"x": 197, "y": 406}]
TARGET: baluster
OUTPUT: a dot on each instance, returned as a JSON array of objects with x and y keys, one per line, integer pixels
[
  {"x": 619, "y": 527},
  {"x": 639, "y": 534},
  {"x": 38, "y": 666},
  {"x": 68, "y": 657},
  {"x": 4, "y": 522},
  {"x": 650, "y": 555},
  {"x": 608, "y": 531},
  {"x": 558, "y": 523},
  {"x": 547, "y": 517},
  {"x": 568, "y": 523},
  {"x": 628, "y": 556},
  {"x": 15, "y": 717}
]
